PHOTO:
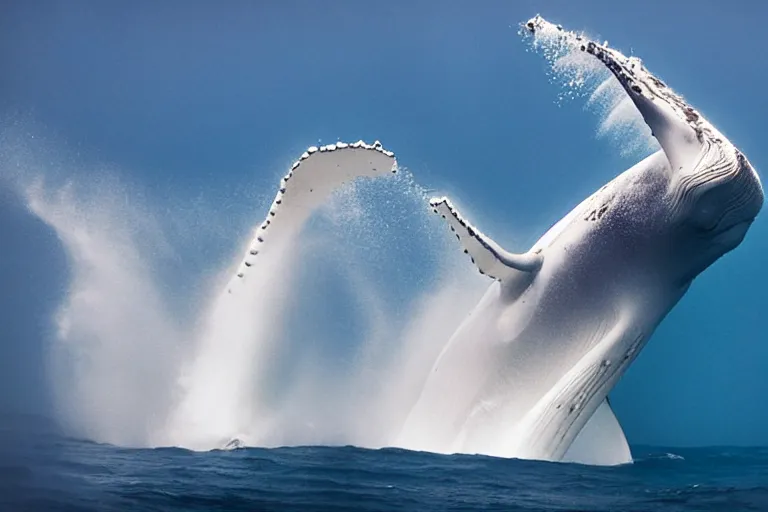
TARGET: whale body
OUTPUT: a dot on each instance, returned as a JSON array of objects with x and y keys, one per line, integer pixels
[{"x": 534, "y": 362}]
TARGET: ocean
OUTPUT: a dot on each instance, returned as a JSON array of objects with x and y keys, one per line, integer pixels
[{"x": 45, "y": 471}]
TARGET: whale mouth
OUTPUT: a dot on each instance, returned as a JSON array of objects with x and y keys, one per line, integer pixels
[{"x": 735, "y": 231}]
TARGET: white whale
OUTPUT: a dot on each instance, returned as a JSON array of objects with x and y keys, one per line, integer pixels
[{"x": 562, "y": 322}]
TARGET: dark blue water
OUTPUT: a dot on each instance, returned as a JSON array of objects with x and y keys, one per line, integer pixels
[{"x": 41, "y": 470}]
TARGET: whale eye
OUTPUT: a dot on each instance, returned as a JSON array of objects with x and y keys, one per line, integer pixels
[{"x": 707, "y": 211}]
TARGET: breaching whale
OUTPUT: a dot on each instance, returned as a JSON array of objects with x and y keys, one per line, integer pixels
[{"x": 560, "y": 324}]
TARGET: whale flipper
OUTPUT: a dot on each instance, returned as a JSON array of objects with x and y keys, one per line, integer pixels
[
  {"x": 679, "y": 129},
  {"x": 489, "y": 257},
  {"x": 312, "y": 178}
]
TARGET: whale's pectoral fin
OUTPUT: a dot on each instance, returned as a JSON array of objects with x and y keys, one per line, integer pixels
[
  {"x": 309, "y": 183},
  {"x": 675, "y": 125},
  {"x": 549, "y": 429},
  {"x": 672, "y": 122},
  {"x": 489, "y": 257}
]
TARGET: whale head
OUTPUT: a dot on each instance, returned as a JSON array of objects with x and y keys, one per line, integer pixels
[
  {"x": 714, "y": 192},
  {"x": 715, "y": 203},
  {"x": 722, "y": 199}
]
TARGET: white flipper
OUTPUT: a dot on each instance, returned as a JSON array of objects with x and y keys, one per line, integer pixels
[
  {"x": 678, "y": 127},
  {"x": 489, "y": 257},
  {"x": 601, "y": 442},
  {"x": 558, "y": 417},
  {"x": 308, "y": 184}
]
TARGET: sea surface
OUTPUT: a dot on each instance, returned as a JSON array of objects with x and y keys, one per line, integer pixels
[{"x": 41, "y": 470}]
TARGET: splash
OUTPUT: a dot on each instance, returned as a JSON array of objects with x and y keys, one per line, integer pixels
[
  {"x": 114, "y": 338},
  {"x": 320, "y": 331}
]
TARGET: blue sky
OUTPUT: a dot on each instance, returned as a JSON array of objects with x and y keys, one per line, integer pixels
[{"x": 190, "y": 99}]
